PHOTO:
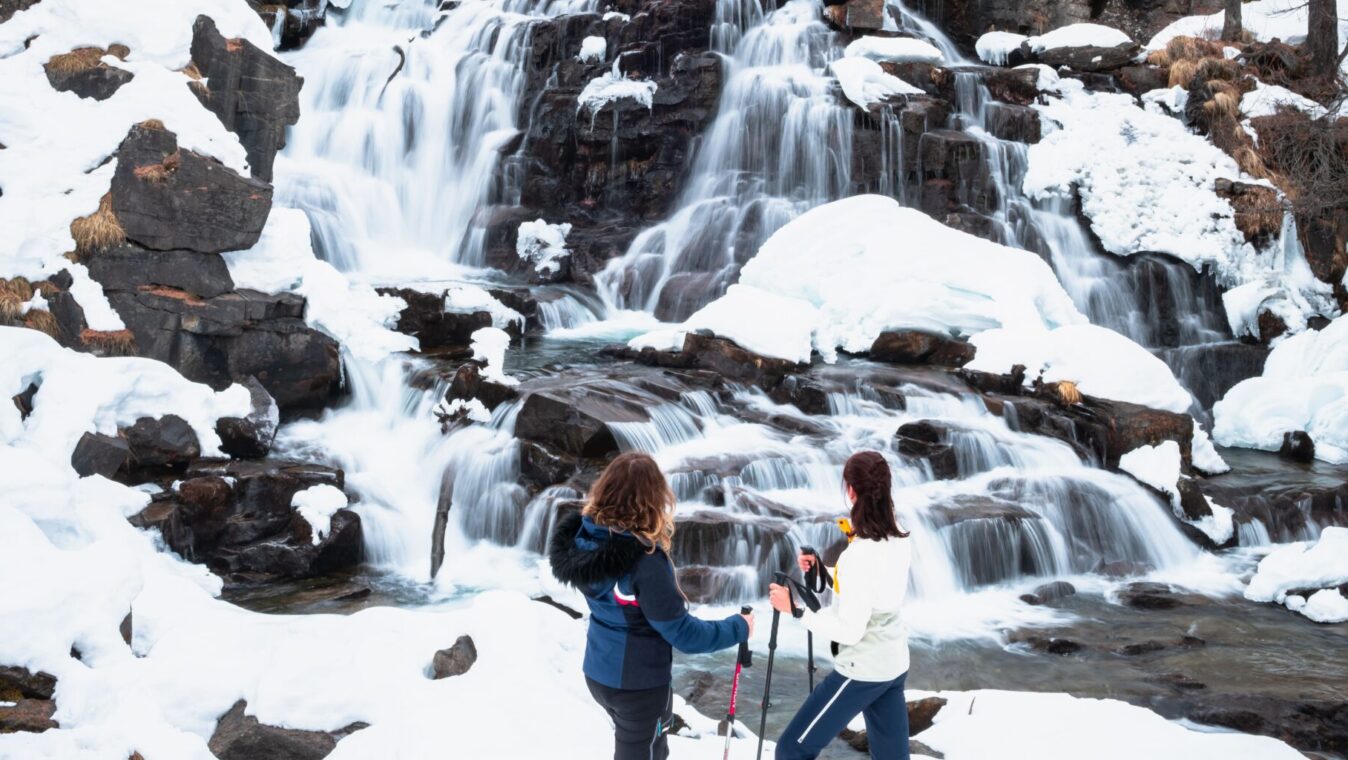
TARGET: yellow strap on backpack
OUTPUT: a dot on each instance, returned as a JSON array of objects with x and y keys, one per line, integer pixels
[{"x": 845, "y": 525}]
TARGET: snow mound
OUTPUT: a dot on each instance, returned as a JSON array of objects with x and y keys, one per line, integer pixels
[
  {"x": 1079, "y": 35},
  {"x": 593, "y": 49},
  {"x": 1157, "y": 466},
  {"x": 317, "y": 504},
  {"x": 1324, "y": 606},
  {"x": 465, "y": 298},
  {"x": 1306, "y": 565},
  {"x": 846, "y": 267},
  {"x": 894, "y": 50},
  {"x": 1267, "y": 99},
  {"x": 612, "y": 87},
  {"x": 1304, "y": 387},
  {"x": 865, "y": 83},
  {"x": 543, "y": 245},
  {"x": 763, "y": 322},
  {"x": 988, "y": 723},
  {"x": 995, "y": 48},
  {"x": 1100, "y": 361},
  {"x": 283, "y": 261},
  {"x": 489, "y": 347}
]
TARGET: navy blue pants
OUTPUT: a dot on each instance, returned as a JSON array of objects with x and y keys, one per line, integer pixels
[{"x": 832, "y": 706}]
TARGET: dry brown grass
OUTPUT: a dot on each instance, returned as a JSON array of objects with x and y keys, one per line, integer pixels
[
  {"x": 119, "y": 51},
  {"x": 109, "y": 342},
  {"x": 1225, "y": 104},
  {"x": 1067, "y": 392},
  {"x": 159, "y": 172},
  {"x": 100, "y": 230},
  {"x": 77, "y": 60},
  {"x": 46, "y": 288},
  {"x": 14, "y": 293},
  {"x": 42, "y": 321},
  {"x": 192, "y": 72},
  {"x": 152, "y": 124}
]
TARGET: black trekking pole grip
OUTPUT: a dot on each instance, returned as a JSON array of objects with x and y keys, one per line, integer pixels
[{"x": 746, "y": 658}]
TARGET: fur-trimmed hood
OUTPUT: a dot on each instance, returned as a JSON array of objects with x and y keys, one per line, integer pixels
[{"x": 585, "y": 555}]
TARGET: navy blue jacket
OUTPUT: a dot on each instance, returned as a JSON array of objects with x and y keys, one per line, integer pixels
[{"x": 636, "y": 610}]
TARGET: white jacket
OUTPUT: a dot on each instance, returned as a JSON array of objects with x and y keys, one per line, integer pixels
[{"x": 865, "y": 618}]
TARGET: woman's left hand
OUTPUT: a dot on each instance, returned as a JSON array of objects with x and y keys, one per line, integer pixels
[{"x": 780, "y": 598}]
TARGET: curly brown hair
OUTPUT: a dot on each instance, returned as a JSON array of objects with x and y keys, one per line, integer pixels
[{"x": 632, "y": 495}]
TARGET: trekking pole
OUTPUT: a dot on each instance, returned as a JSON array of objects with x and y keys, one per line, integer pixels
[
  {"x": 744, "y": 660},
  {"x": 811, "y": 581},
  {"x": 781, "y": 580}
]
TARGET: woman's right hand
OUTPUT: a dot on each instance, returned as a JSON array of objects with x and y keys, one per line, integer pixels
[
  {"x": 749, "y": 621},
  {"x": 806, "y": 561}
]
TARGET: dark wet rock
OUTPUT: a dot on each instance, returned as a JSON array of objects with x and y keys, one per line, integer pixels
[
  {"x": 239, "y": 736},
  {"x": 1007, "y": 121},
  {"x": 718, "y": 355},
  {"x": 1298, "y": 446},
  {"x": 468, "y": 383},
  {"x": 1151, "y": 596},
  {"x": 28, "y": 715},
  {"x": 98, "y": 454},
  {"x": 9, "y": 7},
  {"x": 573, "y": 418},
  {"x": 454, "y": 660},
  {"x": 1307, "y": 724},
  {"x": 1049, "y": 593},
  {"x": 916, "y": 347},
  {"x": 856, "y": 15},
  {"x": 98, "y": 82},
  {"x": 1259, "y": 210},
  {"x": 1211, "y": 369},
  {"x": 1015, "y": 86},
  {"x": 235, "y": 336},
  {"x": 954, "y": 174},
  {"x": 929, "y": 441},
  {"x": 252, "y": 93},
  {"x": 1139, "y": 648},
  {"x": 922, "y": 713},
  {"x": 236, "y": 516},
  {"x": 705, "y": 537},
  {"x": 126, "y": 267},
  {"x": 436, "y": 330},
  {"x": 542, "y": 466},
  {"x": 24, "y": 401},
  {"x": 1283, "y": 496},
  {"x": 1136, "y": 80},
  {"x": 297, "y": 19},
  {"x": 1178, "y": 681},
  {"x": 1048, "y": 644},
  {"x": 164, "y": 442},
  {"x": 502, "y": 233},
  {"x": 21, "y": 683},
  {"x": 251, "y": 436},
  {"x": 1324, "y": 237},
  {"x": 169, "y": 199},
  {"x": 1091, "y": 58}
]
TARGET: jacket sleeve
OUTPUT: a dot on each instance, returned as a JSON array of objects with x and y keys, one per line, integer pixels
[
  {"x": 666, "y": 610},
  {"x": 846, "y": 619}
]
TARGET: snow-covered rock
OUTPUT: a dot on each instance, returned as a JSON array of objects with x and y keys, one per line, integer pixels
[
  {"x": 1320, "y": 564},
  {"x": 1157, "y": 466},
  {"x": 996, "y": 48},
  {"x": 489, "y": 347},
  {"x": 865, "y": 83},
  {"x": 593, "y": 49},
  {"x": 1304, "y": 387},
  {"x": 845, "y": 266},
  {"x": 614, "y": 86},
  {"x": 1267, "y": 99},
  {"x": 894, "y": 50},
  {"x": 317, "y": 504},
  {"x": 1327, "y": 605},
  {"x": 543, "y": 245},
  {"x": 1079, "y": 35}
]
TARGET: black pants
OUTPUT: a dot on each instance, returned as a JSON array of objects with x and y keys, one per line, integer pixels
[{"x": 641, "y": 720}]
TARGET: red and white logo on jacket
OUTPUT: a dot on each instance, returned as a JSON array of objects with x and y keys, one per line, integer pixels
[{"x": 624, "y": 600}]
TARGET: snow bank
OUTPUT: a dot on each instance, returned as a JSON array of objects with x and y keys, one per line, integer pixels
[
  {"x": 1304, "y": 387},
  {"x": 1157, "y": 466},
  {"x": 53, "y": 167},
  {"x": 865, "y": 83},
  {"x": 865, "y": 264},
  {"x": 995, "y": 48},
  {"x": 1148, "y": 184},
  {"x": 317, "y": 504},
  {"x": 1267, "y": 99},
  {"x": 1079, "y": 35},
  {"x": 894, "y": 50},
  {"x": 761, "y": 321},
  {"x": 354, "y": 314},
  {"x": 543, "y": 245},
  {"x": 489, "y": 346},
  {"x": 612, "y": 87},
  {"x": 1100, "y": 361},
  {"x": 1307, "y": 565},
  {"x": 593, "y": 49},
  {"x": 986, "y": 724},
  {"x": 1324, "y": 606},
  {"x": 1265, "y": 20}
]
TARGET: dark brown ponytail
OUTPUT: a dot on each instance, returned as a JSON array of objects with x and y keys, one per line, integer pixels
[{"x": 868, "y": 474}]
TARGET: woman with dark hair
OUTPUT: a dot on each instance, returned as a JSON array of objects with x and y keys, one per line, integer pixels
[
  {"x": 616, "y": 551},
  {"x": 870, "y": 654}
]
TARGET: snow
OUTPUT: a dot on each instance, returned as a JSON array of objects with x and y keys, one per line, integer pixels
[
  {"x": 1304, "y": 387},
  {"x": 1318, "y": 565},
  {"x": 36, "y": 303},
  {"x": 1157, "y": 466},
  {"x": 464, "y": 298},
  {"x": 317, "y": 504},
  {"x": 1267, "y": 99},
  {"x": 1100, "y": 361},
  {"x": 1079, "y": 35},
  {"x": 762, "y": 321},
  {"x": 53, "y": 169},
  {"x": 842, "y": 265},
  {"x": 894, "y": 50},
  {"x": 1147, "y": 184},
  {"x": 354, "y": 314},
  {"x": 865, "y": 83},
  {"x": 615, "y": 14},
  {"x": 1326, "y": 606},
  {"x": 614, "y": 86},
  {"x": 996, "y": 47},
  {"x": 543, "y": 245},
  {"x": 1044, "y": 726},
  {"x": 471, "y": 408},
  {"x": 593, "y": 49},
  {"x": 489, "y": 346}
]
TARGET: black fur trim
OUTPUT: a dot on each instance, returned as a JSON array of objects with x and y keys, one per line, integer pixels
[{"x": 584, "y": 567}]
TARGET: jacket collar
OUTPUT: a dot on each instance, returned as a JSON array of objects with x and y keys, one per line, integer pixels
[{"x": 583, "y": 553}]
